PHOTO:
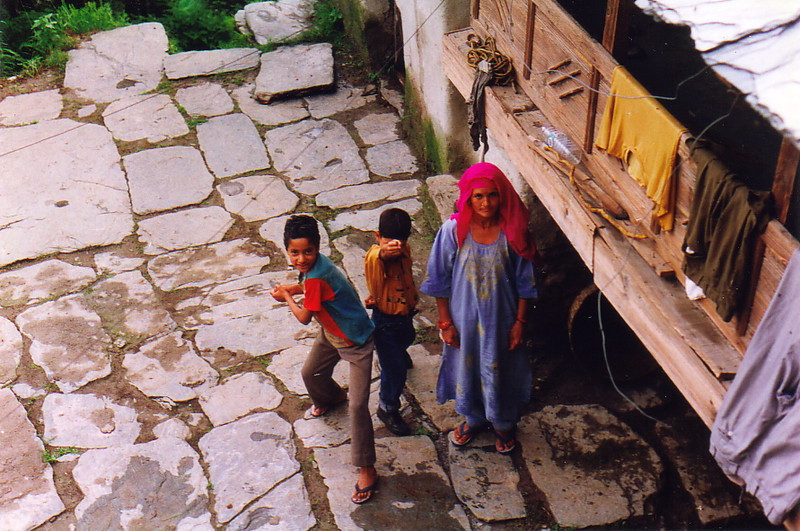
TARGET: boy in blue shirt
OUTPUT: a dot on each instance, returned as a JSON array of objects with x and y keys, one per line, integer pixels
[{"x": 346, "y": 334}]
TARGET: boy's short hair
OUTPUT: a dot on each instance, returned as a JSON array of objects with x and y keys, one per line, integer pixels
[
  {"x": 301, "y": 226},
  {"x": 395, "y": 223}
]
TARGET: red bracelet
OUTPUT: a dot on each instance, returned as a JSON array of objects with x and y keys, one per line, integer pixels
[
  {"x": 523, "y": 321},
  {"x": 444, "y": 325}
]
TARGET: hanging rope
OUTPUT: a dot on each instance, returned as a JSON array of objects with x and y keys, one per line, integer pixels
[{"x": 486, "y": 50}]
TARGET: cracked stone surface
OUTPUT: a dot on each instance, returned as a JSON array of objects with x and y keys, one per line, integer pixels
[
  {"x": 132, "y": 486},
  {"x": 206, "y": 99},
  {"x": 52, "y": 192},
  {"x": 275, "y": 113},
  {"x": 367, "y": 220},
  {"x": 354, "y": 249},
  {"x": 67, "y": 341},
  {"x": 265, "y": 439},
  {"x": 10, "y": 350},
  {"x": 391, "y": 158},
  {"x": 186, "y": 228},
  {"x": 345, "y": 98},
  {"x": 231, "y": 145},
  {"x": 151, "y": 117},
  {"x": 172, "y": 428},
  {"x": 43, "y": 280},
  {"x": 276, "y": 21},
  {"x": 286, "y": 366},
  {"x": 208, "y": 62},
  {"x": 169, "y": 367},
  {"x": 84, "y": 420},
  {"x": 165, "y": 178},
  {"x": 316, "y": 156},
  {"x": 592, "y": 468},
  {"x": 378, "y": 128},
  {"x": 257, "y": 197},
  {"x": 286, "y": 508},
  {"x": 113, "y": 262},
  {"x": 238, "y": 396},
  {"x": 443, "y": 190},
  {"x": 360, "y": 194},
  {"x": 30, "y": 108},
  {"x": 117, "y": 63},
  {"x": 422, "y": 384},
  {"x": 279, "y": 75},
  {"x": 28, "y": 494}
]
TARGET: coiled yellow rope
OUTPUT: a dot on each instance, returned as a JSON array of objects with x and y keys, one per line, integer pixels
[{"x": 486, "y": 50}]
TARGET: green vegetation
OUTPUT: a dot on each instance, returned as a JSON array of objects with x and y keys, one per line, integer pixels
[{"x": 51, "y": 456}]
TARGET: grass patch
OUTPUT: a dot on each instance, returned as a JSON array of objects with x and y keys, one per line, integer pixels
[{"x": 52, "y": 455}]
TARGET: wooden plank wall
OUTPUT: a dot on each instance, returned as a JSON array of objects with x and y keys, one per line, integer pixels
[{"x": 550, "y": 51}]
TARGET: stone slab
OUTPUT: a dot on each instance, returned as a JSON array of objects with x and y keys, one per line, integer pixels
[
  {"x": 378, "y": 128},
  {"x": 265, "y": 439},
  {"x": 393, "y": 97},
  {"x": 277, "y": 21},
  {"x": 231, "y": 145},
  {"x": 84, "y": 420},
  {"x": 10, "y": 350},
  {"x": 391, "y": 158},
  {"x": 284, "y": 508},
  {"x": 136, "y": 485},
  {"x": 208, "y": 62},
  {"x": 129, "y": 307},
  {"x": 316, "y": 156},
  {"x": 272, "y": 231},
  {"x": 345, "y": 98},
  {"x": 593, "y": 469},
  {"x": 151, "y": 117},
  {"x": 421, "y": 383},
  {"x": 487, "y": 483},
  {"x": 113, "y": 262},
  {"x": 87, "y": 110},
  {"x": 360, "y": 194},
  {"x": 354, "y": 249},
  {"x": 169, "y": 367},
  {"x": 209, "y": 264},
  {"x": 367, "y": 219},
  {"x": 257, "y": 197},
  {"x": 28, "y": 496},
  {"x": 413, "y": 487},
  {"x": 30, "y": 108},
  {"x": 61, "y": 189},
  {"x": 276, "y": 113},
  {"x": 67, "y": 341},
  {"x": 280, "y": 76},
  {"x": 443, "y": 190},
  {"x": 43, "y": 280},
  {"x": 166, "y": 178},
  {"x": 286, "y": 366},
  {"x": 206, "y": 99},
  {"x": 185, "y": 228},
  {"x": 172, "y": 428},
  {"x": 117, "y": 63},
  {"x": 238, "y": 396}
]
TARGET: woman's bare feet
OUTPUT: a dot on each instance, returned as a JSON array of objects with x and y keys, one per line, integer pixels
[{"x": 366, "y": 484}]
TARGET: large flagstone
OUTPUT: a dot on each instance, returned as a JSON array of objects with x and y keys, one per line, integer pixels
[
  {"x": 257, "y": 197},
  {"x": 286, "y": 366},
  {"x": 151, "y": 117},
  {"x": 185, "y": 228},
  {"x": 284, "y": 508},
  {"x": 10, "y": 350},
  {"x": 84, "y": 420},
  {"x": 367, "y": 219},
  {"x": 414, "y": 491},
  {"x": 238, "y": 396},
  {"x": 165, "y": 178},
  {"x": 316, "y": 155},
  {"x": 28, "y": 496},
  {"x": 206, "y": 99},
  {"x": 378, "y": 128},
  {"x": 276, "y": 21},
  {"x": 209, "y": 62},
  {"x": 117, "y": 261},
  {"x": 61, "y": 189},
  {"x": 360, "y": 194},
  {"x": 422, "y": 385},
  {"x": 443, "y": 190},
  {"x": 391, "y": 158},
  {"x": 30, "y": 108},
  {"x": 129, "y": 307},
  {"x": 231, "y": 145},
  {"x": 276, "y": 113},
  {"x": 280, "y": 75},
  {"x": 169, "y": 367},
  {"x": 155, "y": 485},
  {"x": 43, "y": 280},
  {"x": 117, "y": 63},
  {"x": 246, "y": 459},
  {"x": 353, "y": 248},
  {"x": 593, "y": 469},
  {"x": 209, "y": 264},
  {"x": 345, "y": 98},
  {"x": 67, "y": 341}
]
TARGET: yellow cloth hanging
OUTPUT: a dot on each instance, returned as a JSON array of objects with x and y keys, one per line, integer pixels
[{"x": 645, "y": 136}]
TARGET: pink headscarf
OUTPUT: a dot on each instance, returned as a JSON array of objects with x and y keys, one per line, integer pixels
[{"x": 513, "y": 213}]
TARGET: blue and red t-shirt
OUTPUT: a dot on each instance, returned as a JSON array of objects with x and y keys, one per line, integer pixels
[{"x": 336, "y": 305}]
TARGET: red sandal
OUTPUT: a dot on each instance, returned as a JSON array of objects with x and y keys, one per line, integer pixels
[{"x": 463, "y": 434}]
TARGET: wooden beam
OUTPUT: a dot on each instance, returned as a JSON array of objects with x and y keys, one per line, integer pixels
[
  {"x": 530, "y": 25},
  {"x": 476, "y": 9},
  {"x": 785, "y": 174},
  {"x": 615, "y": 31}
]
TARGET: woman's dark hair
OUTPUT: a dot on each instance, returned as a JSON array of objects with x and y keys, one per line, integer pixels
[
  {"x": 301, "y": 226},
  {"x": 395, "y": 223}
]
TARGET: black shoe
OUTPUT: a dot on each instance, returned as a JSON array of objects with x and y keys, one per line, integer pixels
[
  {"x": 409, "y": 362},
  {"x": 394, "y": 422}
]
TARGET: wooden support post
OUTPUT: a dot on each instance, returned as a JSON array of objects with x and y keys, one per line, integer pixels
[
  {"x": 615, "y": 31},
  {"x": 782, "y": 190},
  {"x": 476, "y": 9},
  {"x": 530, "y": 25},
  {"x": 591, "y": 111}
]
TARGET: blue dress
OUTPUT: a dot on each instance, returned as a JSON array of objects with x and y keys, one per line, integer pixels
[{"x": 483, "y": 283}]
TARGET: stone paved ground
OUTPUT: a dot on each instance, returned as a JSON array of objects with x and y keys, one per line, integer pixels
[{"x": 150, "y": 382}]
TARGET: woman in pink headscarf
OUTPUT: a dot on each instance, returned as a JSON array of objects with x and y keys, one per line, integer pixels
[{"x": 480, "y": 270}]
